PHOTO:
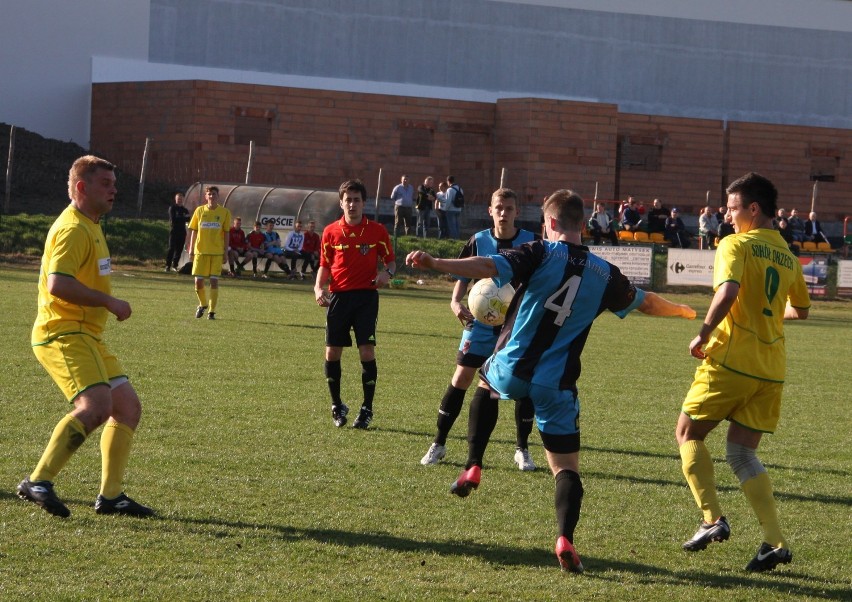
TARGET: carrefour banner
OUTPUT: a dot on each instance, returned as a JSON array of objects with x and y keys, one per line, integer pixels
[
  {"x": 690, "y": 267},
  {"x": 844, "y": 278},
  {"x": 635, "y": 262}
]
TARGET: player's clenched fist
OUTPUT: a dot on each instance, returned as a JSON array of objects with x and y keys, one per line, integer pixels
[{"x": 420, "y": 259}]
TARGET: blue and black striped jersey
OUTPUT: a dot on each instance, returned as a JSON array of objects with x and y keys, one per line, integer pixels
[{"x": 562, "y": 289}]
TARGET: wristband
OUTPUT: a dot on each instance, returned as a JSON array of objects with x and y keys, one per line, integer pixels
[{"x": 389, "y": 272}]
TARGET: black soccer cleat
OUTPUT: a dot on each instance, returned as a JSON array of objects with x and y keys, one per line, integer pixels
[
  {"x": 708, "y": 533},
  {"x": 338, "y": 414},
  {"x": 41, "y": 493},
  {"x": 365, "y": 417},
  {"x": 121, "y": 505},
  {"x": 211, "y": 315},
  {"x": 200, "y": 311},
  {"x": 767, "y": 558}
]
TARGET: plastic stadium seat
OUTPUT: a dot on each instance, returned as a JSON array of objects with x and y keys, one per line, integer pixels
[
  {"x": 625, "y": 235},
  {"x": 809, "y": 246},
  {"x": 716, "y": 241},
  {"x": 824, "y": 246},
  {"x": 657, "y": 237},
  {"x": 641, "y": 237}
]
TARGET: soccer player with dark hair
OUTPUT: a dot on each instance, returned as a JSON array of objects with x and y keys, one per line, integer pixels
[
  {"x": 563, "y": 288},
  {"x": 74, "y": 301},
  {"x": 208, "y": 246},
  {"x": 758, "y": 284},
  {"x": 351, "y": 248},
  {"x": 478, "y": 339}
]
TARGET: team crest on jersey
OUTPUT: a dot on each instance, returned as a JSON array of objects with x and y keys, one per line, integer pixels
[{"x": 364, "y": 249}]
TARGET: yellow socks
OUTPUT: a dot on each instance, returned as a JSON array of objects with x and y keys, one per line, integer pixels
[
  {"x": 758, "y": 491},
  {"x": 698, "y": 469},
  {"x": 214, "y": 297},
  {"x": 116, "y": 439},
  {"x": 68, "y": 435},
  {"x": 201, "y": 293}
]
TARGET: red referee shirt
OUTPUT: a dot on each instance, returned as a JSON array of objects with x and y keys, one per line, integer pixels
[{"x": 352, "y": 253}]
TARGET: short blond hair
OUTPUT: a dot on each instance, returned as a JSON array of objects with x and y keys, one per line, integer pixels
[{"x": 83, "y": 168}]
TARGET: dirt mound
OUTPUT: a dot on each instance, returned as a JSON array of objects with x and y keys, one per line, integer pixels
[{"x": 40, "y": 178}]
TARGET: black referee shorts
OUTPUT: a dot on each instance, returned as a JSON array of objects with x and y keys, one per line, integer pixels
[{"x": 352, "y": 310}]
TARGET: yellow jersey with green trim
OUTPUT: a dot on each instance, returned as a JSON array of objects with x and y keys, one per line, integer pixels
[
  {"x": 211, "y": 226},
  {"x": 75, "y": 247},
  {"x": 750, "y": 339}
]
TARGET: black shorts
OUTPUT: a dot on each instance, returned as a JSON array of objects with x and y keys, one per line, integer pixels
[{"x": 352, "y": 310}]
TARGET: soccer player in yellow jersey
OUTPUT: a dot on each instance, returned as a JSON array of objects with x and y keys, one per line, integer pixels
[
  {"x": 758, "y": 284},
  {"x": 74, "y": 301},
  {"x": 208, "y": 246}
]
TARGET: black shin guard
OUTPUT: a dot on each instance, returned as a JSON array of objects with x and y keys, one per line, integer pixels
[
  {"x": 450, "y": 409},
  {"x": 524, "y": 416},
  {"x": 482, "y": 419},
  {"x": 569, "y": 497},
  {"x": 369, "y": 372},
  {"x": 332, "y": 376}
]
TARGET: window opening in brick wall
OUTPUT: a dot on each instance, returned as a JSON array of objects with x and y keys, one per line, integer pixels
[
  {"x": 643, "y": 157},
  {"x": 824, "y": 169},
  {"x": 253, "y": 125},
  {"x": 415, "y": 141}
]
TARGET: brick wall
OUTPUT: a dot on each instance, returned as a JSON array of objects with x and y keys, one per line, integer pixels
[{"x": 319, "y": 138}]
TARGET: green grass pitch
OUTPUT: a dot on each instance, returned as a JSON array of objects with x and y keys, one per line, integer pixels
[{"x": 261, "y": 498}]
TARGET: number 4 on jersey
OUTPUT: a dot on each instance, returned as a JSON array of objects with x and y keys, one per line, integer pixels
[{"x": 562, "y": 300}]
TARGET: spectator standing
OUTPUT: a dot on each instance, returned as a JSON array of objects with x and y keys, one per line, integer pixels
[
  {"x": 563, "y": 289},
  {"x": 208, "y": 243},
  {"x": 676, "y": 232},
  {"x": 708, "y": 228},
  {"x": 452, "y": 208},
  {"x": 402, "y": 196},
  {"x": 479, "y": 339},
  {"x": 351, "y": 248},
  {"x": 441, "y": 210},
  {"x": 740, "y": 379},
  {"x": 311, "y": 247},
  {"x": 657, "y": 217},
  {"x": 178, "y": 217},
  {"x": 425, "y": 200},
  {"x": 74, "y": 302},
  {"x": 293, "y": 250},
  {"x": 600, "y": 225},
  {"x": 238, "y": 247}
]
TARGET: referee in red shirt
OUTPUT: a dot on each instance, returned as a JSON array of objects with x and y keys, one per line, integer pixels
[{"x": 349, "y": 257}]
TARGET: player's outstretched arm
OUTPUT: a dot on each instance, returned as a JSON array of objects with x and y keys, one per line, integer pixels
[
  {"x": 469, "y": 267},
  {"x": 655, "y": 305}
]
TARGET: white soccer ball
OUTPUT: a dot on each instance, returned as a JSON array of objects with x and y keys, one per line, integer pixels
[{"x": 488, "y": 303}]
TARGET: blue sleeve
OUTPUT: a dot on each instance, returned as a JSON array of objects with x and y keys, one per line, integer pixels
[
  {"x": 637, "y": 301},
  {"x": 504, "y": 270}
]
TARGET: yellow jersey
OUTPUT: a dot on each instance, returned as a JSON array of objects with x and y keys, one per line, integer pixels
[
  {"x": 75, "y": 247},
  {"x": 211, "y": 226},
  {"x": 750, "y": 339}
]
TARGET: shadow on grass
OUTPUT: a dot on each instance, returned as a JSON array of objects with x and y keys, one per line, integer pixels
[{"x": 781, "y": 584}]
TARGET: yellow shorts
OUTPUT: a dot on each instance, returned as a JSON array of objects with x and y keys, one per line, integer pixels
[
  {"x": 77, "y": 362},
  {"x": 207, "y": 266},
  {"x": 721, "y": 394}
]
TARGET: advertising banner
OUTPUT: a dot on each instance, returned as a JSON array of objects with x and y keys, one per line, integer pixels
[
  {"x": 690, "y": 267},
  {"x": 844, "y": 278},
  {"x": 282, "y": 222},
  {"x": 634, "y": 262},
  {"x": 815, "y": 270}
]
